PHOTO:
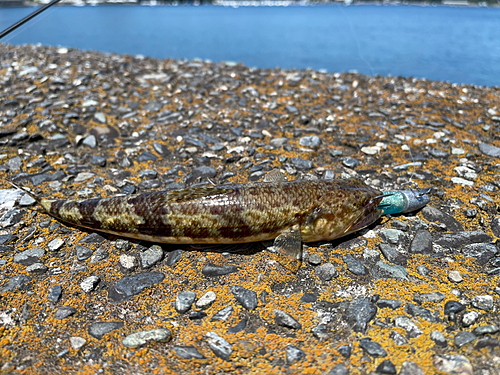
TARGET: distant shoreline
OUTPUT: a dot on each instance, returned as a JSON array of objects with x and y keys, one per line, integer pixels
[{"x": 250, "y": 3}]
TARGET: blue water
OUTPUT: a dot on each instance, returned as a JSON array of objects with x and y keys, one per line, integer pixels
[{"x": 460, "y": 45}]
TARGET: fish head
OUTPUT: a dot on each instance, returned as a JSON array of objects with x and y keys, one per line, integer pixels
[{"x": 346, "y": 207}]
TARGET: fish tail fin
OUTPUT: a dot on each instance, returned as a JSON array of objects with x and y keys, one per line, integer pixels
[{"x": 42, "y": 202}]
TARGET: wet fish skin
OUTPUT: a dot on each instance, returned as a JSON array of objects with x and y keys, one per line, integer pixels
[{"x": 290, "y": 212}]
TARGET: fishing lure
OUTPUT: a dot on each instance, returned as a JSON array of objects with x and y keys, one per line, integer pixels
[{"x": 288, "y": 212}]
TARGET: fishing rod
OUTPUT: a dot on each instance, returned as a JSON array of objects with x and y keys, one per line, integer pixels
[{"x": 27, "y": 18}]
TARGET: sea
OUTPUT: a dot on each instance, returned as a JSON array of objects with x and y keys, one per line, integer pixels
[{"x": 456, "y": 44}]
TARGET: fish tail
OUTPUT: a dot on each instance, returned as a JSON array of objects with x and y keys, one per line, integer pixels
[{"x": 45, "y": 203}]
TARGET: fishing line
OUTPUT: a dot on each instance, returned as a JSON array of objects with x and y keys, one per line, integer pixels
[{"x": 354, "y": 35}]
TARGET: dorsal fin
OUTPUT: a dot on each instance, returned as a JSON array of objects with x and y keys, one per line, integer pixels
[
  {"x": 275, "y": 176},
  {"x": 194, "y": 193}
]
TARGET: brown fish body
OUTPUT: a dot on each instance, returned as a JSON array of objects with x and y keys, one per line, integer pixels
[{"x": 235, "y": 213}]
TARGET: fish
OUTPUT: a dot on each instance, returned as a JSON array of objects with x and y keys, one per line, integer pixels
[{"x": 288, "y": 212}]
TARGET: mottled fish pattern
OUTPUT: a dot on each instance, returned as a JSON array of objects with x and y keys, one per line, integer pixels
[{"x": 290, "y": 212}]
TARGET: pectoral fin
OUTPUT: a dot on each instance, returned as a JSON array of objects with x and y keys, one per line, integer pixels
[{"x": 289, "y": 248}]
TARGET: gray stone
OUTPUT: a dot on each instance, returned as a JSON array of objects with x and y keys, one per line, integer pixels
[
  {"x": 390, "y": 303},
  {"x": 359, "y": 313},
  {"x": 55, "y": 244},
  {"x": 188, "y": 352},
  {"x": 350, "y": 162},
  {"x": 392, "y": 236},
  {"x": 283, "y": 319},
  {"x": 457, "y": 240},
  {"x": 141, "y": 338},
  {"x": 326, "y": 271},
  {"x": 489, "y": 150},
  {"x": 7, "y": 238},
  {"x": 421, "y": 243},
  {"x": 382, "y": 270},
  {"x": 340, "y": 369},
  {"x": 100, "y": 255},
  {"x": 495, "y": 226},
  {"x": 420, "y": 312},
  {"x": 463, "y": 338},
  {"x": 131, "y": 285},
  {"x": 410, "y": 368},
  {"x": 398, "y": 338},
  {"x": 206, "y": 300},
  {"x": 184, "y": 301},
  {"x": 220, "y": 347},
  {"x": 89, "y": 283},
  {"x": 64, "y": 312},
  {"x": 38, "y": 268},
  {"x": 372, "y": 348},
  {"x": 429, "y": 297},
  {"x": 14, "y": 164},
  {"x": 483, "y": 302},
  {"x": 77, "y": 342},
  {"x": 98, "y": 161},
  {"x": 393, "y": 255},
  {"x": 294, "y": 354},
  {"x": 247, "y": 298},
  {"x": 173, "y": 257},
  {"x": 386, "y": 367},
  {"x": 212, "y": 270},
  {"x": 151, "y": 256},
  {"x": 11, "y": 217},
  {"x": 223, "y": 314},
  {"x": 314, "y": 260},
  {"x": 55, "y": 293},
  {"x": 129, "y": 262},
  {"x": 302, "y": 164},
  {"x": 438, "y": 338},
  {"x": 482, "y": 252},
  {"x": 100, "y": 117},
  {"x": 432, "y": 214},
  {"x": 469, "y": 318},
  {"x": 354, "y": 265},
  {"x": 93, "y": 237},
  {"x": 310, "y": 141},
  {"x": 408, "y": 325},
  {"x": 99, "y": 329},
  {"x": 30, "y": 256},
  {"x": 453, "y": 307},
  {"x": 83, "y": 252},
  {"x": 489, "y": 329},
  {"x": 90, "y": 141}
]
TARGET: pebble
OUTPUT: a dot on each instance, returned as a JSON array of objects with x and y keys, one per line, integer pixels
[
  {"x": 314, "y": 260},
  {"x": 350, "y": 162},
  {"x": 359, "y": 313},
  {"x": 223, "y": 314},
  {"x": 11, "y": 217},
  {"x": 247, "y": 298},
  {"x": 345, "y": 350},
  {"x": 100, "y": 255},
  {"x": 372, "y": 348},
  {"x": 432, "y": 214},
  {"x": 354, "y": 265},
  {"x": 55, "y": 293},
  {"x": 311, "y": 141},
  {"x": 482, "y": 252},
  {"x": 463, "y": 338},
  {"x": 453, "y": 307},
  {"x": 55, "y": 244},
  {"x": 393, "y": 255},
  {"x": 29, "y": 257},
  {"x": 37, "y": 268},
  {"x": 470, "y": 318},
  {"x": 294, "y": 354},
  {"x": 98, "y": 161},
  {"x": 151, "y": 256},
  {"x": 89, "y": 283},
  {"x": 382, "y": 270},
  {"x": 206, "y": 300},
  {"x": 99, "y": 329},
  {"x": 407, "y": 324},
  {"x": 438, "y": 338},
  {"x": 283, "y": 319},
  {"x": 219, "y": 346},
  {"x": 132, "y": 285},
  {"x": 457, "y": 240},
  {"x": 452, "y": 364},
  {"x": 489, "y": 150},
  {"x": 184, "y": 301},
  {"x": 65, "y": 312},
  {"x": 339, "y": 369},
  {"x": 420, "y": 312},
  {"x": 421, "y": 243},
  {"x": 489, "y": 329},
  {"x": 429, "y": 297},
  {"x": 302, "y": 164},
  {"x": 455, "y": 276},
  {"x": 386, "y": 367},
  {"x": 173, "y": 257},
  {"x": 326, "y": 272},
  {"x": 77, "y": 342},
  {"x": 212, "y": 270},
  {"x": 390, "y": 303},
  {"x": 188, "y": 352},
  {"x": 483, "y": 302},
  {"x": 83, "y": 252},
  {"x": 128, "y": 262},
  {"x": 141, "y": 338},
  {"x": 392, "y": 236}
]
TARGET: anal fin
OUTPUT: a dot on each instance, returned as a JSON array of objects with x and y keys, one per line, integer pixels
[{"x": 288, "y": 245}]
